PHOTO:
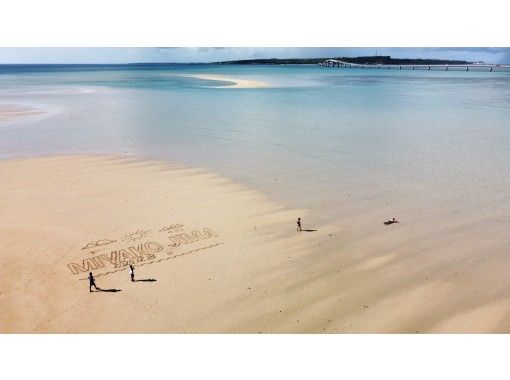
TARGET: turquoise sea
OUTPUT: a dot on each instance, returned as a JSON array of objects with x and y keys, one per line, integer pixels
[{"x": 341, "y": 142}]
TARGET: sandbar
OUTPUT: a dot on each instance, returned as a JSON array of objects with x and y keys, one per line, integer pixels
[
  {"x": 12, "y": 112},
  {"x": 235, "y": 82}
]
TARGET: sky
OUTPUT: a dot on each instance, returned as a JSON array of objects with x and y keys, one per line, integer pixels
[{"x": 212, "y": 54}]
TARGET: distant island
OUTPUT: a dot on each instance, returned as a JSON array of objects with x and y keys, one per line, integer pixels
[{"x": 371, "y": 60}]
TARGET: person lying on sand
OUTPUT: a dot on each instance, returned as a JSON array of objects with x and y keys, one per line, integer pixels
[
  {"x": 92, "y": 283},
  {"x": 391, "y": 221}
]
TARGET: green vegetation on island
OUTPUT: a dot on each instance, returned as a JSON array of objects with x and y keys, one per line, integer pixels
[{"x": 371, "y": 60}]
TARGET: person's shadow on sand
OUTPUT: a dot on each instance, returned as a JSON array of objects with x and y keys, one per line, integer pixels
[
  {"x": 308, "y": 230},
  {"x": 146, "y": 280},
  {"x": 107, "y": 290}
]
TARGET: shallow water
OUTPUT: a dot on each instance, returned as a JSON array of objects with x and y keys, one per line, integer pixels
[{"x": 341, "y": 142}]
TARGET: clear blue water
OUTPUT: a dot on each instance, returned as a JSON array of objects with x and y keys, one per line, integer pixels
[{"x": 415, "y": 139}]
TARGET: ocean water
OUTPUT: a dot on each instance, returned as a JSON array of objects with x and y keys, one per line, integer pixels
[{"x": 341, "y": 142}]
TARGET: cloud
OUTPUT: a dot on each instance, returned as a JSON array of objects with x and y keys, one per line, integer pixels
[{"x": 98, "y": 243}]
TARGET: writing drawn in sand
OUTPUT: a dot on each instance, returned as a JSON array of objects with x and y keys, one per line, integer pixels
[{"x": 171, "y": 243}]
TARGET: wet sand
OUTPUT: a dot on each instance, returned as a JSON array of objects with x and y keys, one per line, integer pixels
[
  {"x": 13, "y": 112},
  {"x": 226, "y": 258}
]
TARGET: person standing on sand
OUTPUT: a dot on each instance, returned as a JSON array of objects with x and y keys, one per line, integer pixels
[
  {"x": 299, "y": 224},
  {"x": 92, "y": 283},
  {"x": 132, "y": 273}
]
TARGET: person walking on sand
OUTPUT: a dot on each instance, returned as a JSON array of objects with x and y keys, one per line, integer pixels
[
  {"x": 92, "y": 283},
  {"x": 299, "y": 224},
  {"x": 132, "y": 273}
]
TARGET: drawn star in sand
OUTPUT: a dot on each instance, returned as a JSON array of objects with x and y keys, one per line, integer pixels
[{"x": 137, "y": 235}]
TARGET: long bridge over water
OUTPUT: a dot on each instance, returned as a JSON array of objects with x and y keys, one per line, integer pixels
[{"x": 442, "y": 67}]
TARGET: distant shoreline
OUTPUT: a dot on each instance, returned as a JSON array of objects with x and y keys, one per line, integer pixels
[{"x": 262, "y": 61}]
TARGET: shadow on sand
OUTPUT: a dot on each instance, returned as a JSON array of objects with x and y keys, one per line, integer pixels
[
  {"x": 146, "y": 280},
  {"x": 308, "y": 230},
  {"x": 108, "y": 290}
]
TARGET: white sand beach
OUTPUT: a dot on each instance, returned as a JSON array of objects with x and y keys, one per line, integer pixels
[{"x": 225, "y": 258}]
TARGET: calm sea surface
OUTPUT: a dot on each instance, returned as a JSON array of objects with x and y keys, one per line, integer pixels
[{"x": 318, "y": 138}]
